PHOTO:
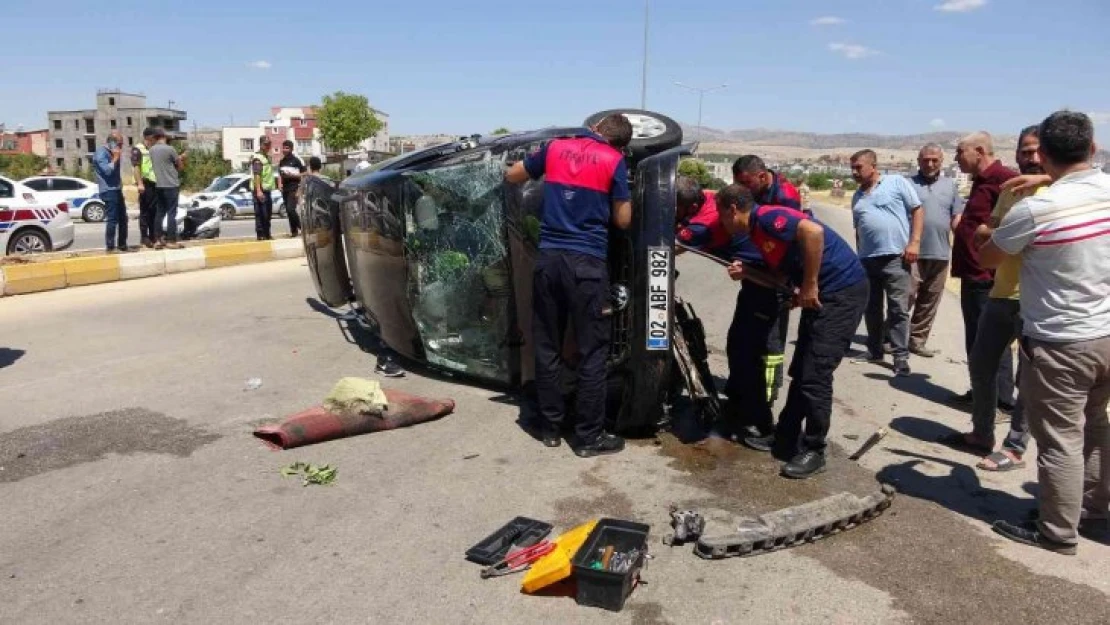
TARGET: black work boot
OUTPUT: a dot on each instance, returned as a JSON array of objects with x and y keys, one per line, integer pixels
[
  {"x": 752, "y": 438},
  {"x": 804, "y": 465},
  {"x": 550, "y": 435},
  {"x": 603, "y": 444}
]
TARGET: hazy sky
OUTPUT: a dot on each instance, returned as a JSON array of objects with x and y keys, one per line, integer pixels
[{"x": 888, "y": 66}]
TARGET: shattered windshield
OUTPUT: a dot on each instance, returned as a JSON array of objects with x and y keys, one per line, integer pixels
[{"x": 455, "y": 245}]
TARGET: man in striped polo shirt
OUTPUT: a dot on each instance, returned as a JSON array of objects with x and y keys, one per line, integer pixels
[{"x": 1063, "y": 235}]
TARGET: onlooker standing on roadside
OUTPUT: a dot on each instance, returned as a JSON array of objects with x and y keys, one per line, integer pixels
[
  {"x": 143, "y": 171},
  {"x": 262, "y": 183},
  {"x": 107, "y": 165},
  {"x": 167, "y": 165},
  {"x": 941, "y": 205},
  {"x": 975, "y": 156},
  {"x": 999, "y": 326},
  {"x": 291, "y": 169},
  {"x": 888, "y": 219},
  {"x": 1062, "y": 235}
]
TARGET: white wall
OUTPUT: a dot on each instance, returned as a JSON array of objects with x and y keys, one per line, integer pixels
[{"x": 232, "y": 138}]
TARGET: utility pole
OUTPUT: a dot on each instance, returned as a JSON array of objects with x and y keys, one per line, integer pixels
[
  {"x": 701, "y": 91},
  {"x": 643, "y": 79}
]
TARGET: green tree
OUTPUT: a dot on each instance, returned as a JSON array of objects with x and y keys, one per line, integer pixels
[
  {"x": 501, "y": 131},
  {"x": 345, "y": 120},
  {"x": 20, "y": 166},
  {"x": 819, "y": 181},
  {"x": 697, "y": 170},
  {"x": 201, "y": 166}
]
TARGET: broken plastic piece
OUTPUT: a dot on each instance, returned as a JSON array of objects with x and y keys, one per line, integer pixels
[
  {"x": 253, "y": 384},
  {"x": 796, "y": 525}
]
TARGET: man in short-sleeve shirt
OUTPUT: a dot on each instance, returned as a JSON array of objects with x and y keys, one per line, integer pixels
[
  {"x": 585, "y": 189},
  {"x": 941, "y": 205},
  {"x": 886, "y": 213},
  {"x": 975, "y": 156},
  {"x": 832, "y": 290},
  {"x": 1062, "y": 235}
]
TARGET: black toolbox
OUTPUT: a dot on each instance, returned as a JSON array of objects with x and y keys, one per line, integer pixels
[
  {"x": 520, "y": 532},
  {"x": 608, "y": 589}
]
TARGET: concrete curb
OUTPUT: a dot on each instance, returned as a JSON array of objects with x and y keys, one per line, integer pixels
[{"x": 35, "y": 277}]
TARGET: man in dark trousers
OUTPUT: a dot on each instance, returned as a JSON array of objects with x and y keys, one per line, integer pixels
[
  {"x": 832, "y": 291},
  {"x": 143, "y": 170},
  {"x": 585, "y": 189},
  {"x": 262, "y": 183},
  {"x": 769, "y": 188},
  {"x": 747, "y": 415},
  {"x": 291, "y": 169}
]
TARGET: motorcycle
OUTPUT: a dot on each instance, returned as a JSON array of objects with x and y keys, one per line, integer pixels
[{"x": 196, "y": 223}]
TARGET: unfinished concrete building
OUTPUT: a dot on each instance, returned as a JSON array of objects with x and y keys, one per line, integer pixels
[{"x": 75, "y": 135}]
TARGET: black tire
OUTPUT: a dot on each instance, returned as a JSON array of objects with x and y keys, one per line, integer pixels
[
  {"x": 94, "y": 212},
  {"x": 658, "y": 140},
  {"x": 29, "y": 241},
  {"x": 227, "y": 212}
]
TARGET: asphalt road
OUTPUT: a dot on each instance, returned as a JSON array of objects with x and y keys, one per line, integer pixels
[
  {"x": 133, "y": 492},
  {"x": 89, "y": 236}
]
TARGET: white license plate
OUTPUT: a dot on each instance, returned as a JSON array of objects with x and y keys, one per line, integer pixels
[{"x": 659, "y": 299}]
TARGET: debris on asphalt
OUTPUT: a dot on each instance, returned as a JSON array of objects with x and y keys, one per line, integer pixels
[
  {"x": 318, "y": 424},
  {"x": 796, "y": 525},
  {"x": 471, "y": 456},
  {"x": 311, "y": 474},
  {"x": 852, "y": 437},
  {"x": 869, "y": 444},
  {"x": 253, "y": 384},
  {"x": 687, "y": 525}
]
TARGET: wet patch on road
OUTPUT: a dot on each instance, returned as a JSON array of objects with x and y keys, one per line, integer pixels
[
  {"x": 68, "y": 442},
  {"x": 611, "y": 502},
  {"x": 647, "y": 613},
  {"x": 936, "y": 567}
]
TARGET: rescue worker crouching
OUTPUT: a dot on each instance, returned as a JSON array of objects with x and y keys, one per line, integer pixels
[
  {"x": 832, "y": 291},
  {"x": 747, "y": 415},
  {"x": 585, "y": 189}
]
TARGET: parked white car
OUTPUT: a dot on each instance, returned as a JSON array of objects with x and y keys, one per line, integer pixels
[
  {"x": 80, "y": 195},
  {"x": 28, "y": 225},
  {"x": 230, "y": 196}
]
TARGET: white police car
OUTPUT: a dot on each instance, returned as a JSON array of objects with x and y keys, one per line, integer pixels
[
  {"x": 230, "y": 196},
  {"x": 28, "y": 225},
  {"x": 81, "y": 196}
]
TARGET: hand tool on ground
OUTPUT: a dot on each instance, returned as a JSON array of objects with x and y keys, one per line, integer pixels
[
  {"x": 869, "y": 443},
  {"x": 759, "y": 276},
  {"x": 518, "y": 560}
]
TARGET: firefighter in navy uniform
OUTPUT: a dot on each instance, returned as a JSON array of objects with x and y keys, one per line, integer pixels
[
  {"x": 772, "y": 189},
  {"x": 748, "y": 413},
  {"x": 585, "y": 190},
  {"x": 832, "y": 290}
]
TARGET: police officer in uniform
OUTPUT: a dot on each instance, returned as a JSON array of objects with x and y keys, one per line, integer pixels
[
  {"x": 143, "y": 170},
  {"x": 262, "y": 183}
]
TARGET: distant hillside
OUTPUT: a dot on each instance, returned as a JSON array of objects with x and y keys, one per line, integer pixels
[{"x": 816, "y": 141}]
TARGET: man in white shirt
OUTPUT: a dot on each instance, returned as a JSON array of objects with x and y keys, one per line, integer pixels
[{"x": 1063, "y": 235}]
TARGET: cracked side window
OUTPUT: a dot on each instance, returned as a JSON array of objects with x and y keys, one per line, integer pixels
[{"x": 459, "y": 271}]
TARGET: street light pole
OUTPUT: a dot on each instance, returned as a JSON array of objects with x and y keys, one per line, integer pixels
[
  {"x": 701, "y": 91},
  {"x": 643, "y": 79}
]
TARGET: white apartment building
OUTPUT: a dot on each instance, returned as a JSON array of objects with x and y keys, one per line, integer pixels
[{"x": 297, "y": 124}]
